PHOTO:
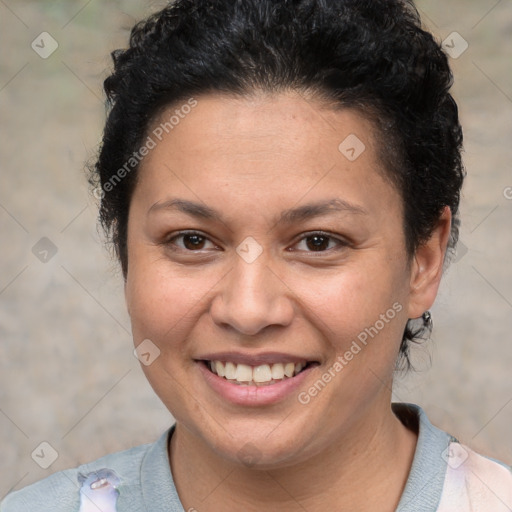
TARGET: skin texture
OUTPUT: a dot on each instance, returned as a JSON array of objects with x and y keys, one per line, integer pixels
[{"x": 251, "y": 158}]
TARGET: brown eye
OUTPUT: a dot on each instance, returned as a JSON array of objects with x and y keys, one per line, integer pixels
[
  {"x": 192, "y": 241},
  {"x": 319, "y": 242}
]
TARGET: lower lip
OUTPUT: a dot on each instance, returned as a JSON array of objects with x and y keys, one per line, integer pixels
[{"x": 253, "y": 395}]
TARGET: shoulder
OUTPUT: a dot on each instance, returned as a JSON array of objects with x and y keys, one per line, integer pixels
[
  {"x": 474, "y": 482},
  {"x": 448, "y": 476},
  {"x": 61, "y": 491}
]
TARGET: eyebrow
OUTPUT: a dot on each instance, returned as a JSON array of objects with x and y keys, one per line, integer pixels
[{"x": 298, "y": 214}]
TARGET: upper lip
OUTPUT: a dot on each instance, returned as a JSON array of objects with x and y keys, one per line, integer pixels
[{"x": 255, "y": 359}]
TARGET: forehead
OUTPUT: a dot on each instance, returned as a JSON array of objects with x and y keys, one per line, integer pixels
[
  {"x": 277, "y": 147},
  {"x": 264, "y": 126}
]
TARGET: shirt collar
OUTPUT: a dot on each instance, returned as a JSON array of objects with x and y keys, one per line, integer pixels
[
  {"x": 159, "y": 493},
  {"x": 424, "y": 485}
]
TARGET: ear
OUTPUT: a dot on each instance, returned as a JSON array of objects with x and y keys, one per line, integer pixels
[{"x": 427, "y": 267}]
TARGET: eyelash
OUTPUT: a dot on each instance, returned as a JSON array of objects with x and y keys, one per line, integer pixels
[{"x": 341, "y": 243}]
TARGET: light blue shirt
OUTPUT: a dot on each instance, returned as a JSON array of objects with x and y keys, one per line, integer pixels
[{"x": 144, "y": 481}]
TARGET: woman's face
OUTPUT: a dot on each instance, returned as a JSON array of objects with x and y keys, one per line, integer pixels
[{"x": 253, "y": 285}]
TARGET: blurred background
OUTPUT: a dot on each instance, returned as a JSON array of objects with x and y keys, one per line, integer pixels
[{"x": 68, "y": 377}]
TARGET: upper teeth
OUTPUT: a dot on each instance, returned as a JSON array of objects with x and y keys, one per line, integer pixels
[{"x": 255, "y": 374}]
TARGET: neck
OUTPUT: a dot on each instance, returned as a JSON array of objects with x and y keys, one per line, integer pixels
[{"x": 376, "y": 453}]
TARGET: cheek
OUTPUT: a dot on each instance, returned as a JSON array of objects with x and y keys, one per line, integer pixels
[
  {"x": 362, "y": 316},
  {"x": 358, "y": 297},
  {"x": 162, "y": 310},
  {"x": 167, "y": 304},
  {"x": 160, "y": 304},
  {"x": 165, "y": 301}
]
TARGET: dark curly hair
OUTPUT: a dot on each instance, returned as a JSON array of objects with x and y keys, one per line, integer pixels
[{"x": 371, "y": 55}]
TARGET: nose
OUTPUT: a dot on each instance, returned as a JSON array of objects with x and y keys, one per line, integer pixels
[{"x": 252, "y": 297}]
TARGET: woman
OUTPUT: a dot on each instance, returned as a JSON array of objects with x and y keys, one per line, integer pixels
[{"x": 281, "y": 181}]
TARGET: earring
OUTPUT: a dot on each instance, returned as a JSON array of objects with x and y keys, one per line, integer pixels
[{"x": 427, "y": 319}]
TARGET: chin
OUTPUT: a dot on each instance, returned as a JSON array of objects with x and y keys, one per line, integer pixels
[{"x": 258, "y": 444}]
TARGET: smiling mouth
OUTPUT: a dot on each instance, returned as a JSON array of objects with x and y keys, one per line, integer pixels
[{"x": 261, "y": 375}]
